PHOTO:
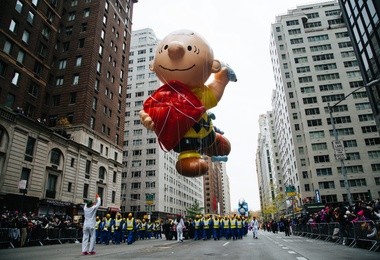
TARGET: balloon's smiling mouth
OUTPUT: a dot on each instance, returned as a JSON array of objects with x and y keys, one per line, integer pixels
[{"x": 177, "y": 69}]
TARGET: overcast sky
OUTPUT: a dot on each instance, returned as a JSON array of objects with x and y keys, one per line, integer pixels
[{"x": 238, "y": 32}]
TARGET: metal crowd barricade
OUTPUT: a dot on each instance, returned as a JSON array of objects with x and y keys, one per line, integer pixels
[
  {"x": 5, "y": 238},
  {"x": 361, "y": 231},
  {"x": 365, "y": 231},
  {"x": 68, "y": 234}
]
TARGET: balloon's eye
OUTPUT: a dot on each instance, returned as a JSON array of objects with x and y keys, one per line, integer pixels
[
  {"x": 189, "y": 48},
  {"x": 166, "y": 47}
]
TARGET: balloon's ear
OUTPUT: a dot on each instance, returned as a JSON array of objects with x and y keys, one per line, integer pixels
[{"x": 216, "y": 66}]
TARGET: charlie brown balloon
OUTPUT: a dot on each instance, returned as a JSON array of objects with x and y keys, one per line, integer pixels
[{"x": 178, "y": 110}]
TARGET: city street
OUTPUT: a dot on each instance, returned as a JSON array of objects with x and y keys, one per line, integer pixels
[{"x": 268, "y": 246}]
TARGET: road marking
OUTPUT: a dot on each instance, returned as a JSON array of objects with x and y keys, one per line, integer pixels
[
  {"x": 301, "y": 258},
  {"x": 292, "y": 252},
  {"x": 226, "y": 243},
  {"x": 285, "y": 247}
]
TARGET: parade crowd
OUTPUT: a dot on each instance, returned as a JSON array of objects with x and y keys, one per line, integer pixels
[{"x": 20, "y": 227}]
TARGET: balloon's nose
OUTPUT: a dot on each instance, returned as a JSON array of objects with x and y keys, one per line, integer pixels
[{"x": 176, "y": 50}]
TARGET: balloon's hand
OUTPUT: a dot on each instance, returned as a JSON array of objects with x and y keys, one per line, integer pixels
[
  {"x": 231, "y": 74},
  {"x": 146, "y": 120}
]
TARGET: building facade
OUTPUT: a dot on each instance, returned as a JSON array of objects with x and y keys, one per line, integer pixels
[
  {"x": 362, "y": 19},
  {"x": 150, "y": 184},
  {"x": 315, "y": 67},
  {"x": 63, "y": 72}
]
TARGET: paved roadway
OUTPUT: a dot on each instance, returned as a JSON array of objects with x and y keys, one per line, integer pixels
[{"x": 268, "y": 246}]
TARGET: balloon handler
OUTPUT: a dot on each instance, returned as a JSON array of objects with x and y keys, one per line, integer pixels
[{"x": 177, "y": 111}]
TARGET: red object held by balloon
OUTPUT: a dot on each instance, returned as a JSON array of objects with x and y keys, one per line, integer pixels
[{"x": 174, "y": 109}]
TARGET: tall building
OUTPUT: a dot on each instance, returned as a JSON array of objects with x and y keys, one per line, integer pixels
[
  {"x": 268, "y": 169},
  {"x": 362, "y": 19},
  {"x": 315, "y": 67},
  {"x": 150, "y": 184},
  {"x": 213, "y": 189},
  {"x": 63, "y": 66}
]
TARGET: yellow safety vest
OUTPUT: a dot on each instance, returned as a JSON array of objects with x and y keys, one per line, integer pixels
[
  {"x": 197, "y": 224},
  {"x": 216, "y": 223},
  {"x": 233, "y": 223},
  {"x": 130, "y": 223}
]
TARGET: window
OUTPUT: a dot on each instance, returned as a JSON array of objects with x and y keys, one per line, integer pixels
[
  {"x": 102, "y": 173},
  {"x": 13, "y": 26},
  {"x": 319, "y": 146},
  {"x": 33, "y": 89},
  {"x": 303, "y": 69},
  {"x": 55, "y": 156},
  {"x": 25, "y": 37},
  {"x": 78, "y": 61},
  {"x": 323, "y": 47},
  {"x": 292, "y": 22},
  {"x": 313, "y": 24},
  {"x": 305, "y": 79},
  {"x": 310, "y": 100},
  {"x": 354, "y": 183},
  {"x": 81, "y": 43},
  {"x": 25, "y": 174},
  {"x": 15, "y": 78},
  {"x": 19, "y": 6},
  {"x": 62, "y": 64},
  {"x": 29, "y": 150},
  {"x": 312, "y": 111},
  {"x": 85, "y": 190},
  {"x": 71, "y": 16},
  {"x": 296, "y": 41},
  {"x": 324, "y": 172},
  {"x": 329, "y": 87},
  {"x": 318, "y": 38},
  {"x": 99, "y": 67},
  {"x": 328, "y": 56},
  {"x": 294, "y": 31},
  {"x": 46, "y": 32},
  {"x": 352, "y": 169},
  {"x": 21, "y": 56},
  {"x": 314, "y": 122},
  {"x": 326, "y": 185},
  {"x": 328, "y": 66},
  {"x": 362, "y": 106},
  {"x": 7, "y": 47},
  {"x": 30, "y": 17},
  {"x": 51, "y": 186},
  {"x": 59, "y": 82},
  {"x": 372, "y": 141},
  {"x": 366, "y": 117},
  {"x": 321, "y": 159},
  {"x": 76, "y": 80},
  {"x": 369, "y": 129},
  {"x": 86, "y": 12},
  {"x": 88, "y": 169},
  {"x": 56, "y": 100}
]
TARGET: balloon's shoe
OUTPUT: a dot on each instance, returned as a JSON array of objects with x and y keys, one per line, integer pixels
[
  {"x": 190, "y": 164},
  {"x": 220, "y": 147}
]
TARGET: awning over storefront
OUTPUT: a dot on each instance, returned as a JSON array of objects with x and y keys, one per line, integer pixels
[
  {"x": 56, "y": 203},
  {"x": 19, "y": 202},
  {"x": 113, "y": 209}
]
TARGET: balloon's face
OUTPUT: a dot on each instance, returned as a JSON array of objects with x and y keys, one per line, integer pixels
[{"x": 183, "y": 56}]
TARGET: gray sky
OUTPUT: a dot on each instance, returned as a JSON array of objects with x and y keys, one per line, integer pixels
[{"x": 239, "y": 33}]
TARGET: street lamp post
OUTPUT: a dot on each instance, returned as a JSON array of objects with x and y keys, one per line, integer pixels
[{"x": 338, "y": 146}]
